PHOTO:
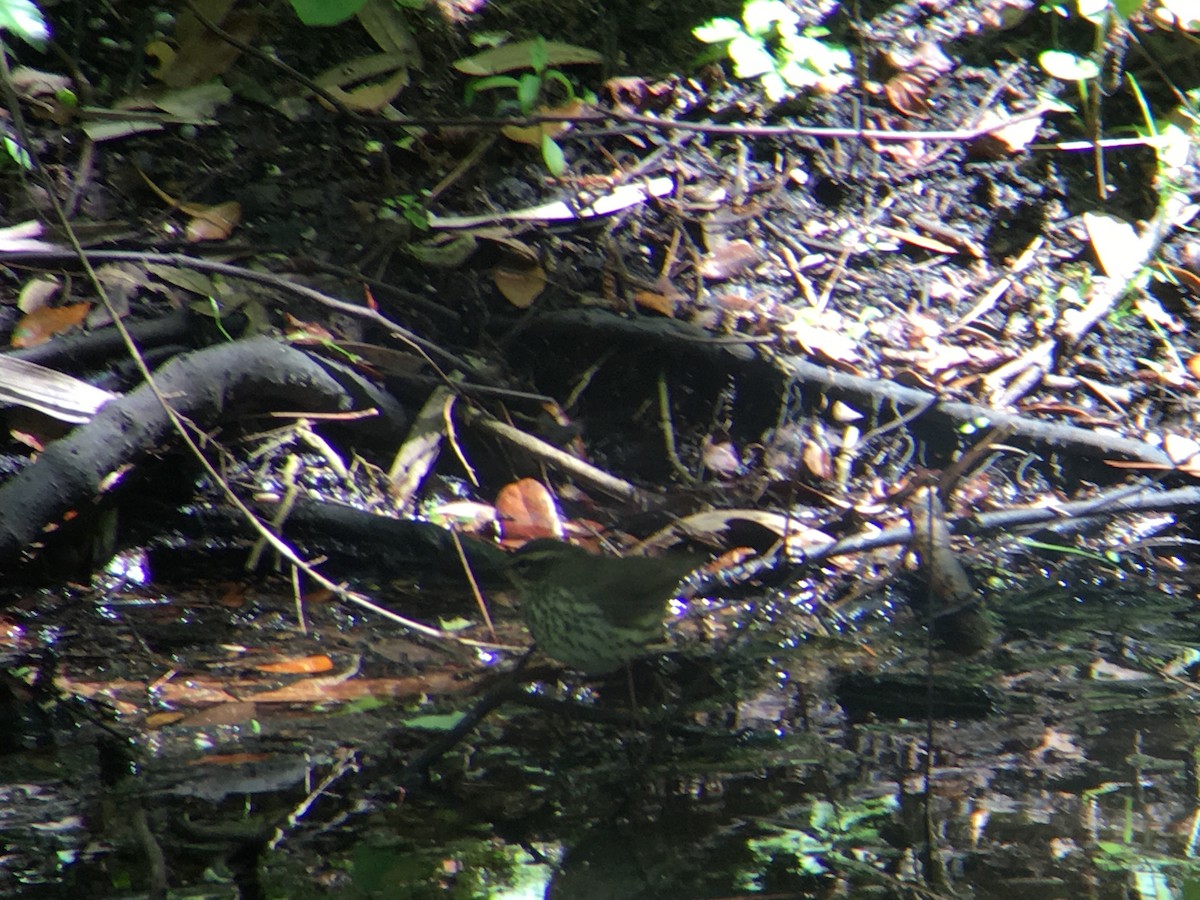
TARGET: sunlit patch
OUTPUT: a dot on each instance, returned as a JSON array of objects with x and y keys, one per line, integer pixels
[
  {"x": 129, "y": 566},
  {"x": 488, "y": 657}
]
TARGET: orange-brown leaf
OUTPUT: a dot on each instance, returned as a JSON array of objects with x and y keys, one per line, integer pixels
[
  {"x": 302, "y": 665},
  {"x": 42, "y": 324},
  {"x": 526, "y": 511}
]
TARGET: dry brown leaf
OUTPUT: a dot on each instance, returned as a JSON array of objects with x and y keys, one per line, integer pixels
[
  {"x": 234, "y": 596},
  {"x": 817, "y": 460},
  {"x": 234, "y": 713},
  {"x": 720, "y": 457},
  {"x": 520, "y": 287},
  {"x": 909, "y": 94},
  {"x": 919, "y": 240},
  {"x": 42, "y": 91},
  {"x": 502, "y": 237},
  {"x": 387, "y": 24},
  {"x": 527, "y": 510},
  {"x": 301, "y": 665},
  {"x": 1186, "y": 278},
  {"x": 729, "y": 260},
  {"x": 162, "y": 719},
  {"x": 319, "y": 690},
  {"x": 664, "y": 304},
  {"x": 371, "y": 97},
  {"x": 193, "y": 691},
  {"x": 229, "y": 759},
  {"x": 42, "y": 324},
  {"x": 203, "y": 55},
  {"x": 211, "y": 223},
  {"x": 1007, "y": 139},
  {"x": 532, "y": 134},
  {"x": 38, "y": 292}
]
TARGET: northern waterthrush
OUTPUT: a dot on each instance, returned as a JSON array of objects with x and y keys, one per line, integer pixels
[{"x": 594, "y": 613}]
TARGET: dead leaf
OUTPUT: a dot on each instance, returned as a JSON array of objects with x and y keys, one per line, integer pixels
[
  {"x": 909, "y": 95},
  {"x": 302, "y": 665},
  {"x": 235, "y": 713},
  {"x": 1183, "y": 276},
  {"x": 1007, "y": 139},
  {"x": 38, "y": 292},
  {"x": 319, "y": 690},
  {"x": 203, "y": 55},
  {"x": 162, "y": 719},
  {"x": 817, "y": 460},
  {"x": 387, "y": 25},
  {"x": 370, "y": 96},
  {"x": 663, "y": 304},
  {"x": 211, "y": 223},
  {"x": 234, "y": 596},
  {"x": 444, "y": 251},
  {"x": 526, "y": 510},
  {"x": 42, "y": 91},
  {"x": 720, "y": 457},
  {"x": 533, "y": 134},
  {"x": 229, "y": 759},
  {"x": 729, "y": 260},
  {"x": 520, "y": 287},
  {"x": 919, "y": 240},
  {"x": 502, "y": 237},
  {"x": 195, "y": 104},
  {"x": 1116, "y": 243},
  {"x": 42, "y": 324}
]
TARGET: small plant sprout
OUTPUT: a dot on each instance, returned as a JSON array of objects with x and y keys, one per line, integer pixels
[
  {"x": 768, "y": 44},
  {"x": 532, "y": 91}
]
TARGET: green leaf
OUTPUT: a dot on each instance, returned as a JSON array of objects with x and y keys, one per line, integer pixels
[
  {"x": 527, "y": 92},
  {"x": 562, "y": 81},
  {"x": 1067, "y": 66},
  {"x": 479, "y": 85},
  {"x": 761, "y": 16},
  {"x": 326, "y": 12},
  {"x": 552, "y": 156},
  {"x": 18, "y": 153},
  {"x": 750, "y": 57},
  {"x": 434, "y": 722},
  {"x": 22, "y": 18},
  {"x": 1126, "y": 8},
  {"x": 717, "y": 31},
  {"x": 538, "y": 57}
]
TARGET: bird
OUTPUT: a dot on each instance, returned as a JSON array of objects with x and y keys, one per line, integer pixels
[{"x": 595, "y": 614}]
